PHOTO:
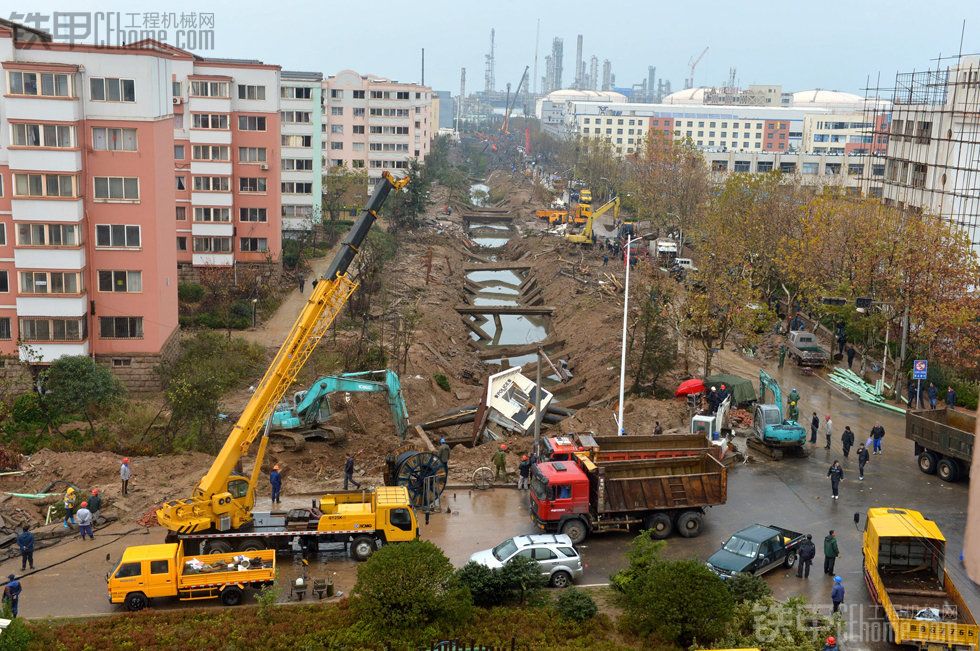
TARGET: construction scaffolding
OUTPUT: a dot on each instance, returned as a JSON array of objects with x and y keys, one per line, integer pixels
[{"x": 931, "y": 142}]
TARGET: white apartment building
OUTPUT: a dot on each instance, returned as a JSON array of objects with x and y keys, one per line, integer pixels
[{"x": 302, "y": 129}]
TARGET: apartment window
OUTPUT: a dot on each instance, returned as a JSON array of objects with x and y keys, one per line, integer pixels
[
  {"x": 809, "y": 168},
  {"x": 289, "y": 210},
  {"x": 787, "y": 168},
  {"x": 118, "y": 362},
  {"x": 117, "y": 188},
  {"x": 44, "y": 185},
  {"x": 251, "y": 92},
  {"x": 117, "y": 236},
  {"x": 339, "y": 128},
  {"x": 211, "y": 121},
  {"x": 297, "y": 141},
  {"x": 742, "y": 166},
  {"x": 175, "y": 88},
  {"x": 358, "y": 94},
  {"x": 252, "y": 214},
  {"x": 389, "y": 113},
  {"x": 337, "y": 110},
  {"x": 210, "y": 152},
  {"x": 121, "y": 327},
  {"x": 358, "y": 128},
  {"x": 336, "y": 146},
  {"x": 295, "y": 164},
  {"x": 296, "y": 117},
  {"x": 46, "y": 234},
  {"x": 855, "y": 169},
  {"x": 181, "y": 182},
  {"x": 4, "y": 282},
  {"x": 46, "y": 84},
  {"x": 209, "y": 89},
  {"x": 358, "y": 112},
  {"x": 291, "y": 187},
  {"x": 212, "y": 184},
  {"x": 403, "y": 131},
  {"x": 296, "y": 92},
  {"x": 337, "y": 162},
  {"x": 181, "y": 213},
  {"x": 251, "y": 123},
  {"x": 49, "y": 282},
  {"x": 112, "y": 89},
  {"x": 212, "y": 245},
  {"x": 181, "y": 243},
  {"x": 379, "y": 94},
  {"x": 35, "y": 329},
  {"x": 251, "y": 184},
  {"x": 211, "y": 214},
  {"x": 106, "y": 139},
  {"x": 179, "y": 152},
  {"x": 253, "y": 244},
  {"x": 43, "y": 135},
  {"x": 5, "y": 328},
  {"x": 336, "y": 93},
  {"x": 401, "y": 95},
  {"x": 763, "y": 166},
  {"x": 120, "y": 281},
  {"x": 178, "y": 121},
  {"x": 357, "y": 163},
  {"x": 251, "y": 154}
]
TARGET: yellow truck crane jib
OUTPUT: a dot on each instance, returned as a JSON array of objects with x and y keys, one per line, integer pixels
[{"x": 223, "y": 501}]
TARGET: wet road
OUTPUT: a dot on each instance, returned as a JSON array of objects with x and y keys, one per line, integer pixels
[{"x": 793, "y": 493}]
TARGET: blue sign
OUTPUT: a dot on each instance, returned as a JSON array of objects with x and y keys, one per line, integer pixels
[{"x": 920, "y": 369}]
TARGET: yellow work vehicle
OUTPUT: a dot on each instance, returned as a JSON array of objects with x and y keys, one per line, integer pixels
[
  {"x": 583, "y": 210},
  {"x": 586, "y": 236},
  {"x": 151, "y": 571},
  {"x": 553, "y": 216},
  {"x": 223, "y": 500},
  {"x": 904, "y": 567}
]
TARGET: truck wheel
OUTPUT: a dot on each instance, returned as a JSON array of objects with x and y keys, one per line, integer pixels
[
  {"x": 927, "y": 462},
  {"x": 790, "y": 560},
  {"x": 136, "y": 601},
  {"x": 361, "y": 548},
  {"x": 659, "y": 525},
  {"x": 219, "y": 547},
  {"x": 251, "y": 545},
  {"x": 231, "y": 596},
  {"x": 948, "y": 470},
  {"x": 561, "y": 579},
  {"x": 575, "y": 529},
  {"x": 689, "y": 524}
]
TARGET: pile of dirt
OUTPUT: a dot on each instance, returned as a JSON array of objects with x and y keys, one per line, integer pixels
[{"x": 640, "y": 415}]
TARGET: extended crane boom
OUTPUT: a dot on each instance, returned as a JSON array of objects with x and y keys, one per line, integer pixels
[
  {"x": 586, "y": 236},
  {"x": 223, "y": 500}
]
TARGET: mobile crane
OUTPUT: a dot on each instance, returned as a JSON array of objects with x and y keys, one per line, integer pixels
[
  {"x": 223, "y": 500},
  {"x": 586, "y": 236}
]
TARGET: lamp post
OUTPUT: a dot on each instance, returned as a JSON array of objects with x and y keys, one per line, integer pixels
[
  {"x": 622, "y": 355},
  {"x": 255, "y": 303}
]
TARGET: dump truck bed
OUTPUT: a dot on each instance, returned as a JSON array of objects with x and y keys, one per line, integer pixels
[
  {"x": 680, "y": 482},
  {"x": 625, "y": 448},
  {"x": 945, "y": 430}
]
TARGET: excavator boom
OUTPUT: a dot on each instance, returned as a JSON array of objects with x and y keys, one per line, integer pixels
[
  {"x": 767, "y": 382},
  {"x": 585, "y": 237},
  {"x": 221, "y": 499}
]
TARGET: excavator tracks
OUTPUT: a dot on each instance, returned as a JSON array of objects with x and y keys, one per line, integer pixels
[{"x": 775, "y": 453}]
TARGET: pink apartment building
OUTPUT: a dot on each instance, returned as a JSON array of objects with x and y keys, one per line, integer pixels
[{"x": 116, "y": 166}]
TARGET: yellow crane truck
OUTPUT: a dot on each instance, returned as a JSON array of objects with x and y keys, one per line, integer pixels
[
  {"x": 219, "y": 515},
  {"x": 904, "y": 568},
  {"x": 152, "y": 571}
]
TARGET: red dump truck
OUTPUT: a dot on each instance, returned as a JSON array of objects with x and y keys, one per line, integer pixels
[
  {"x": 627, "y": 448},
  {"x": 578, "y": 497}
]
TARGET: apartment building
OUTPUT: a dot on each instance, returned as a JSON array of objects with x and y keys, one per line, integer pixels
[
  {"x": 375, "y": 123},
  {"x": 116, "y": 166},
  {"x": 303, "y": 126},
  {"x": 855, "y": 133}
]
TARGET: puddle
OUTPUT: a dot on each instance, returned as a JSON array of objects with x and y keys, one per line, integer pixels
[
  {"x": 477, "y": 226},
  {"x": 504, "y": 277},
  {"x": 487, "y": 298},
  {"x": 479, "y": 193},
  {"x": 491, "y": 242},
  {"x": 515, "y": 329},
  {"x": 520, "y": 360}
]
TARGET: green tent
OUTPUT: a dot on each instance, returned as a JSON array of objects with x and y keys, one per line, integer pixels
[{"x": 742, "y": 390}]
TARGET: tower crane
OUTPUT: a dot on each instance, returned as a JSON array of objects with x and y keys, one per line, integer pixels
[{"x": 691, "y": 65}]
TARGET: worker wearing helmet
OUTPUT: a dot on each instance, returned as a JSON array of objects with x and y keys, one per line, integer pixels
[
  {"x": 125, "y": 472},
  {"x": 95, "y": 501},
  {"x": 524, "y": 474},
  {"x": 831, "y": 644},
  {"x": 275, "y": 480},
  {"x": 499, "y": 460},
  {"x": 70, "y": 502},
  {"x": 444, "y": 451}
]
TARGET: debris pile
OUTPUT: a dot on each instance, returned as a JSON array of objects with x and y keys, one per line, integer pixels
[{"x": 851, "y": 381}]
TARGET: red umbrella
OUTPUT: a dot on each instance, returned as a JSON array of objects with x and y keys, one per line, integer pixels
[{"x": 689, "y": 387}]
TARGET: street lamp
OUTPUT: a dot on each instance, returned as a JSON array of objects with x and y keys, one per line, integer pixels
[
  {"x": 255, "y": 302},
  {"x": 622, "y": 356}
]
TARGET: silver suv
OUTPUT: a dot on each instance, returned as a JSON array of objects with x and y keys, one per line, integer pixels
[{"x": 559, "y": 561}]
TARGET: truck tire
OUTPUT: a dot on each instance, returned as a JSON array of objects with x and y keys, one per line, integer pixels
[
  {"x": 948, "y": 469},
  {"x": 576, "y": 530},
  {"x": 659, "y": 525},
  {"x": 927, "y": 462},
  {"x": 561, "y": 579},
  {"x": 136, "y": 601},
  {"x": 251, "y": 545},
  {"x": 689, "y": 524},
  {"x": 790, "y": 560},
  {"x": 361, "y": 548},
  {"x": 219, "y": 547},
  {"x": 231, "y": 596}
]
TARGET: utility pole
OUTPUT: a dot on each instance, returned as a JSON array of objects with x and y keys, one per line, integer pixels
[
  {"x": 622, "y": 356},
  {"x": 537, "y": 407}
]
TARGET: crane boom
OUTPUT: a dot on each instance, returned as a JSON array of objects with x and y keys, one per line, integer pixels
[
  {"x": 505, "y": 127},
  {"x": 223, "y": 500}
]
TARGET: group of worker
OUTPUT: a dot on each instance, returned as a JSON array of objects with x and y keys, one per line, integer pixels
[
  {"x": 715, "y": 397},
  {"x": 932, "y": 393},
  {"x": 499, "y": 460}
]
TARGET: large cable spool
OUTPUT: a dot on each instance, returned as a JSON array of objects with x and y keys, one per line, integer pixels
[{"x": 423, "y": 474}]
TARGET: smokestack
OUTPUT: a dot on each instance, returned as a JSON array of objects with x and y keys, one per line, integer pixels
[{"x": 579, "y": 64}]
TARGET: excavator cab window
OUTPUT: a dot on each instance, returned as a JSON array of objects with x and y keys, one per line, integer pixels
[
  {"x": 238, "y": 488},
  {"x": 401, "y": 519}
]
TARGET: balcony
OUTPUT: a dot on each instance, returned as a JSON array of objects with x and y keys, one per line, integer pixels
[
  {"x": 47, "y": 160},
  {"x": 47, "y": 210},
  {"x": 211, "y": 198},
  {"x": 49, "y": 352},
  {"x": 220, "y": 229},
  {"x": 209, "y": 136},
  {"x": 49, "y": 258},
  {"x": 211, "y": 168},
  {"x": 213, "y": 259},
  {"x": 42, "y": 109},
  {"x": 53, "y": 306}
]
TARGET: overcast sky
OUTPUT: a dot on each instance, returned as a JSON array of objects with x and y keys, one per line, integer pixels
[{"x": 832, "y": 44}]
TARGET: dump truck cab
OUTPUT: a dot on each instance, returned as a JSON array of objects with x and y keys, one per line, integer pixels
[{"x": 559, "y": 491}]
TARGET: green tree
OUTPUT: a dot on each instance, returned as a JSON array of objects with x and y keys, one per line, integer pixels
[
  {"x": 748, "y": 587},
  {"x": 484, "y": 583},
  {"x": 77, "y": 385},
  {"x": 409, "y": 592},
  {"x": 769, "y": 624},
  {"x": 651, "y": 346},
  {"x": 522, "y": 578},
  {"x": 343, "y": 189},
  {"x": 644, "y": 551},
  {"x": 405, "y": 209}
]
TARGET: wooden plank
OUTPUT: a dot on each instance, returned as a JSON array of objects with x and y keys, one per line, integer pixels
[
  {"x": 477, "y": 330},
  {"x": 497, "y": 266},
  {"x": 543, "y": 310},
  {"x": 425, "y": 439},
  {"x": 523, "y": 349}
]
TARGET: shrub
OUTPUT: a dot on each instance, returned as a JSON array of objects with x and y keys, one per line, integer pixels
[
  {"x": 644, "y": 551},
  {"x": 776, "y": 626},
  {"x": 576, "y": 605},
  {"x": 409, "y": 591},
  {"x": 747, "y": 587},
  {"x": 522, "y": 579},
  {"x": 77, "y": 385},
  {"x": 442, "y": 381},
  {"x": 190, "y": 292},
  {"x": 485, "y": 584}
]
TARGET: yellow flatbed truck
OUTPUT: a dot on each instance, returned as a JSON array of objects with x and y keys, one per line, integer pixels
[
  {"x": 152, "y": 571},
  {"x": 904, "y": 567}
]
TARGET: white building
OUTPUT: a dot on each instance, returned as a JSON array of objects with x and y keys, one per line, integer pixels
[{"x": 302, "y": 128}]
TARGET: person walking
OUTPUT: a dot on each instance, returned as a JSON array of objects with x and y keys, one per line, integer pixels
[
  {"x": 11, "y": 593},
  {"x": 877, "y": 433},
  {"x": 275, "y": 480},
  {"x": 349, "y": 472},
  {"x": 814, "y": 428},
  {"x": 863, "y": 456},
  {"x": 125, "y": 473},
  {"x": 933, "y": 394},
  {"x": 913, "y": 394},
  {"x": 95, "y": 501},
  {"x": 605, "y": 260},
  {"x": 950, "y": 397},
  {"x": 69, "y": 502},
  {"x": 302, "y": 283},
  {"x": 828, "y": 429},
  {"x": 657, "y": 428},
  {"x": 807, "y": 553},
  {"x": 85, "y": 521},
  {"x": 524, "y": 474},
  {"x": 830, "y": 552},
  {"x": 836, "y": 473},
  {"x": 850, "y": 352},
  {"x": 837, "y": 593},
  {"x": 782, "y": 355},
  {"x": 25, "y": 542},
  {"x": 847, "y": 440},
  {"x": 499, "y": 460}
]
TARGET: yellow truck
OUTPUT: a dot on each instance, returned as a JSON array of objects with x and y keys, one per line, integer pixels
[
  {"x": 904, "y": 567},
  {"x": 152, "y": 571}
]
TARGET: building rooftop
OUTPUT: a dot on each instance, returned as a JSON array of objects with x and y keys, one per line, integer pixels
[
  {"x": 299, "y": 74},
  {"x": 686, "y": 96},
  {"x": 570, "y": 94}
]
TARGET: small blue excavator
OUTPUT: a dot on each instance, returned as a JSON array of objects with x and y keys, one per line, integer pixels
[{"x": 772, "y": 434}]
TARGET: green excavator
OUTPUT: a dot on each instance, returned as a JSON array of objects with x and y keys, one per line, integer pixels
[{"x": 774, "y": 435}]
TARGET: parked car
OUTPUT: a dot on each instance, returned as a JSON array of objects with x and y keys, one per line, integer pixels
[
  {"x": 559, "y": 560},
  {"x": 756, "y": 550}
]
